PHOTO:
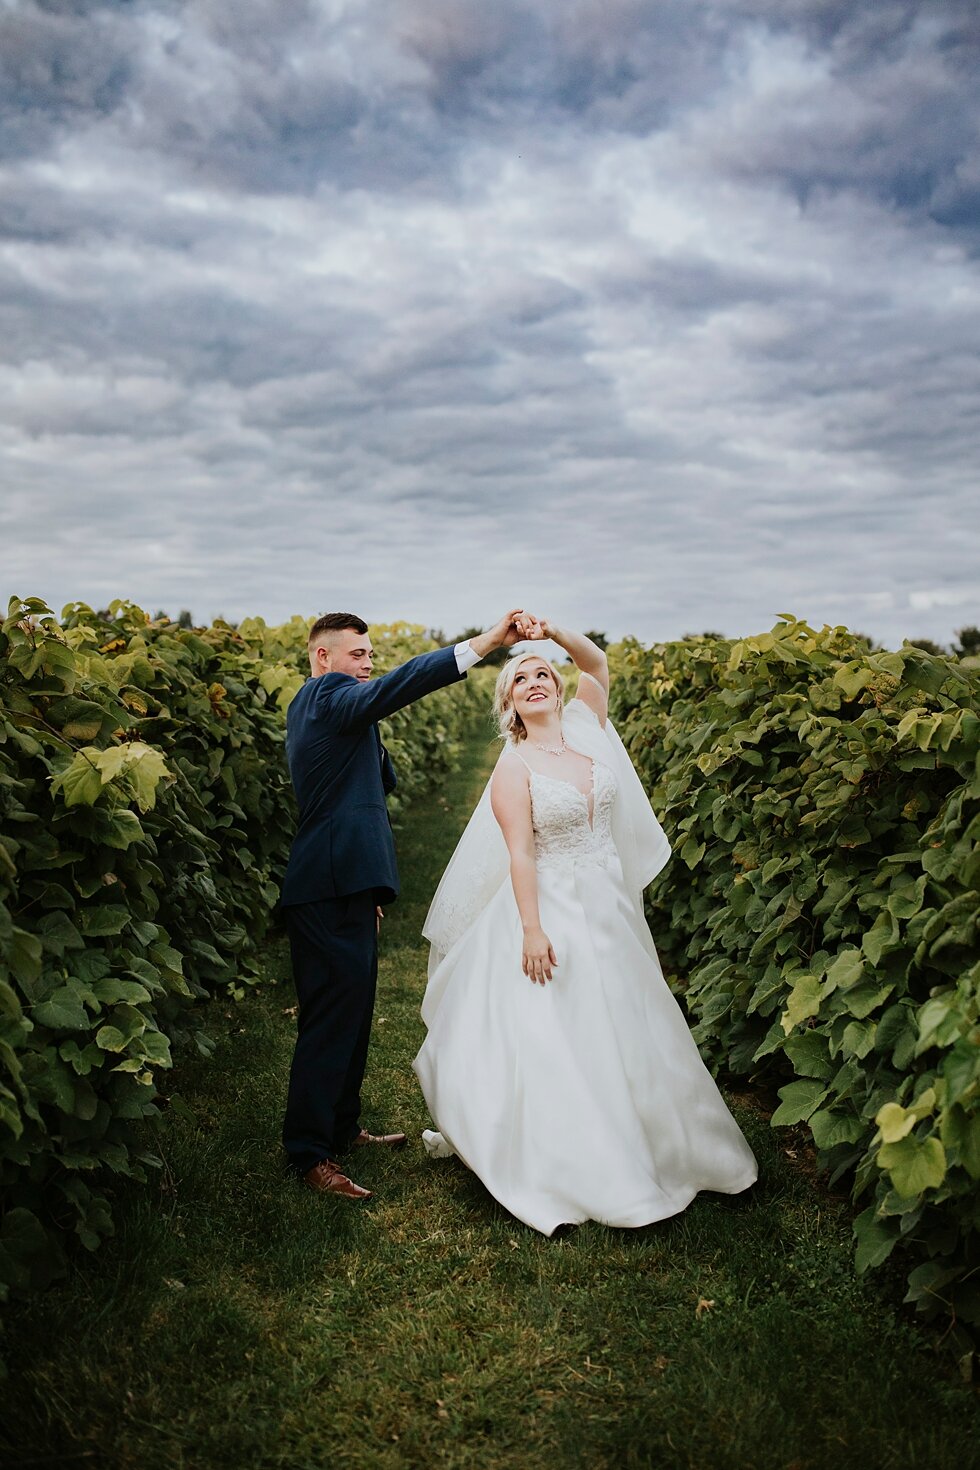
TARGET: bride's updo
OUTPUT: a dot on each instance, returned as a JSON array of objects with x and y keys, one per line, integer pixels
[{"x": 509, "y": 722}]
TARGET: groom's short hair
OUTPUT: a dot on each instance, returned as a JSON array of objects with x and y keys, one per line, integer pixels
[{"x": 336, "y": 623}]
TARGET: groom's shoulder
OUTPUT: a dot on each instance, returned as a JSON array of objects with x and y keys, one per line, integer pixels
[{"x": 316, "y": 688}]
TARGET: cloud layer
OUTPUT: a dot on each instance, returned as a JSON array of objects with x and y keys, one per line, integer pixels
[{"x": 655, "y": 317}]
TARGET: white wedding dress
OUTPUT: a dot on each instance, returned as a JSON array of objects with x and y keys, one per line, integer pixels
[{"x": 585, "y": 1098}]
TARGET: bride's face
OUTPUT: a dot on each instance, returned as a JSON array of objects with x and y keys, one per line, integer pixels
[{"x": 534, "y": 690}]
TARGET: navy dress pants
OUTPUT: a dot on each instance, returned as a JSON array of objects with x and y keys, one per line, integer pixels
[{"x": 334, "y": 948}]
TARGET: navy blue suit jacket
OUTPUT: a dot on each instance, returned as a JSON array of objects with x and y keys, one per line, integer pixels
[{"x": 341, "y": 775}]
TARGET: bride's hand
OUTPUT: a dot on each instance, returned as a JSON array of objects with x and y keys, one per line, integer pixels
[{"x": 538, "y": 959}]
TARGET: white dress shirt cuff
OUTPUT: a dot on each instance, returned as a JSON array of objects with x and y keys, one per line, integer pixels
[{"x": 466, "y": 656}]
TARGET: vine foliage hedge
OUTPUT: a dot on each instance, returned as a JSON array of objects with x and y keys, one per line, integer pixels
[
  {"x": 823, "y": 801},
  {"x": 145, "y": 818}
]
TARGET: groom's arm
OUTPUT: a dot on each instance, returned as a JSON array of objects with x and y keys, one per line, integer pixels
[{"x": 353, "y": 703}]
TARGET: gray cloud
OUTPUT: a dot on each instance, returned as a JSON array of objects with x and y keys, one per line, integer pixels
[
  {"x": 60, "y": 65},
  {"x": 888, "y": 111},
  {"x": 660, "y": 316}
]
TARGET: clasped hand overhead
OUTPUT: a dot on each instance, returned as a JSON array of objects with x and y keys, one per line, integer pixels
[
  {"x": 532, "y": 629},
  {"x": 516, "y": 626}
]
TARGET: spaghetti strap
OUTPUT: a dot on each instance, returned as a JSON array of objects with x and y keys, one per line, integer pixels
[{"x": 515, "y": 751}]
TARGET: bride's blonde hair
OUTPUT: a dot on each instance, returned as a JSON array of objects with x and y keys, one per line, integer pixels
[{"x": 509, "y": 722}]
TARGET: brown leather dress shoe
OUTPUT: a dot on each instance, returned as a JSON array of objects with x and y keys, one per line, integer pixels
[
  {"x": 391, "y": 1140},
  {"x": 326, "y": 1177}
]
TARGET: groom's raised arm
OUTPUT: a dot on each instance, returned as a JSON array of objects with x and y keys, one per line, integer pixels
[{"x": 353, "y": 702}]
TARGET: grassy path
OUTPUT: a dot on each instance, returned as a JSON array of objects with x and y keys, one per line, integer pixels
[{"x": 237, "y": 1321}]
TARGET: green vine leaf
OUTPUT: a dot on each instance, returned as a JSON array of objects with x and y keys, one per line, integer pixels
[
  {"x": 894, "y": 1122},
  {"x": 804, "y": 1001},
  {"x": 62, "y": 1011},
  {"x": 914, "y": 1164},
  {"x": 798, "y": 1101},
  {"x": 80, "y": 783}
]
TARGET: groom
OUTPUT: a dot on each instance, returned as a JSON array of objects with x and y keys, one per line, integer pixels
[{"x": 341, "y": 868}]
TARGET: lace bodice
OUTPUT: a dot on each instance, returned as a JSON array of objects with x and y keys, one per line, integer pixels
[{"x": 560, "y": 817}]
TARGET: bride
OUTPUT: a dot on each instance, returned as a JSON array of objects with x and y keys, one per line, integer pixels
[{"x": 557, "y": 1065}]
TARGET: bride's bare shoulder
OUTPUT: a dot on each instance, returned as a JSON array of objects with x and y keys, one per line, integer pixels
[{"x": 510, "y": 777}]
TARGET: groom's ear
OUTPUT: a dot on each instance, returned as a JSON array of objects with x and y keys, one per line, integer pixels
[{"x": 320, "y": 659}]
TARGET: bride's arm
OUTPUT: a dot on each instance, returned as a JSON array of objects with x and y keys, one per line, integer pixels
[
  {"x": 587, "y": 656},
  {"x": 510, "y": 799}
]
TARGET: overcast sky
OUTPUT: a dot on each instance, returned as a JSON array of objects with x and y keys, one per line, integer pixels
[{"x": 653, "y": 317}]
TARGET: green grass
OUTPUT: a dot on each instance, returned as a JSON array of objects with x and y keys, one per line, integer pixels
[{"x": 238, "y": 1320}]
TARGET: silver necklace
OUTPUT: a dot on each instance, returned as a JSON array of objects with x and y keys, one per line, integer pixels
[{"x": 550, "y": 749}]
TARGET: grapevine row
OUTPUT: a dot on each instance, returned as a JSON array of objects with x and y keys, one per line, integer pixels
[
  {"x": 145, "y": 817},
  {"x": 822, "y": 908}
]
